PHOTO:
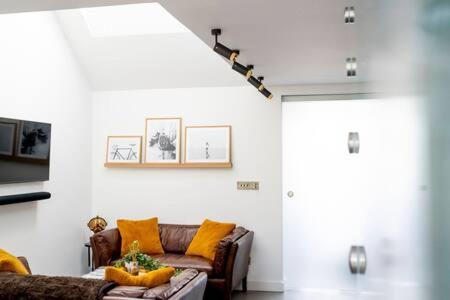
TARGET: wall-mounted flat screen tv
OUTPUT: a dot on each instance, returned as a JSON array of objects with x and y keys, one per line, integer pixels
[{"x": 24, "y": 151}]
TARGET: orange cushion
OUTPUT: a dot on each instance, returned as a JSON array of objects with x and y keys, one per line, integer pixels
[
  {"x": 146, "y": 232},
  {"x": 150, "y": 279},
  {"x": 10, "y": 263},
  {"x": 208, "y": 237}
]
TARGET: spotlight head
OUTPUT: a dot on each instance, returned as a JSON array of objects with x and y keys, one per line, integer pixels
[
  {"x": 222, "y": 49},
  {"x": 242, "y": 69},
  {"x": 266, "y": 93},
  {"x": 225, "y": 51},
  {"x": 256, "y": 83}
]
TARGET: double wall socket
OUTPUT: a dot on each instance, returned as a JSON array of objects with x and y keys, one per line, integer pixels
[{"x": 248, "y": 185}]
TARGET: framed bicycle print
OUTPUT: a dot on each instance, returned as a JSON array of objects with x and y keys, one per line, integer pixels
[{"x": 124, "y": 149}]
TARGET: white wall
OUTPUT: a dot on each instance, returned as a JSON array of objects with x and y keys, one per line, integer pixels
[
  {"x": 188, "y": 196},
  {"x": 41, "y": 81}
]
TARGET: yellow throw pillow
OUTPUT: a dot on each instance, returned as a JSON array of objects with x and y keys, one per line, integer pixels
[
  {"x": 10, "y": 263},
  {"x": 208, "y": 237},
  {"x": 150, "y": 279},
  {"x": 146, "y": 232}
]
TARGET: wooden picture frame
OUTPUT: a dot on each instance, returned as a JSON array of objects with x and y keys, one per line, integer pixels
[
  {"x": 207, "y": 144},
  {"x": 163, "y": 140},
  {"x": 124, "y": 149}
]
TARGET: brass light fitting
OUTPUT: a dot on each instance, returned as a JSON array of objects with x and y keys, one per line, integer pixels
[{"x": 222, "y": 49}]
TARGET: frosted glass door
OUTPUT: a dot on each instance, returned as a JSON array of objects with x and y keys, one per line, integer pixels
[
  {"x": 321, "y": 219},
  {"x": 333, "y": 199}
]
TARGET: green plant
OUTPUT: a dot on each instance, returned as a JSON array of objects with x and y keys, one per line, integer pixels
[{"x": 144, "y": 260}]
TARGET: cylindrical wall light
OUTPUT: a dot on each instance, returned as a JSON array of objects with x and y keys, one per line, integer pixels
[
  {"x": 242, "y": 69},
  {"x": 256, "y": 83},
  {"x": 263, "y": 90},
  {"x": 226, "y": 52},
  {"x": 222, "y": 49}
]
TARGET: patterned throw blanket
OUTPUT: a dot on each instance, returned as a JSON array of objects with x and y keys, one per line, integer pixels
[{"x": 38, "y": 287}]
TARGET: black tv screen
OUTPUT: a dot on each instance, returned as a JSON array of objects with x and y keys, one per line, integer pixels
[{"x": 24, "y": 151}]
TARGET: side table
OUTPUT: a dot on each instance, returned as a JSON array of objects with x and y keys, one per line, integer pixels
[{"x": 90, "y": 258}]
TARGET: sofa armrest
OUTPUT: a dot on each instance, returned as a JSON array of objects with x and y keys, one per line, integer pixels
[
  {"x": 239, "y": 260},
  {"x": 194, "y": 290},
  {"x": 223, "y": 250},
  {"x": 24, "y": 262},
  {"x": 106, "y": 246}
]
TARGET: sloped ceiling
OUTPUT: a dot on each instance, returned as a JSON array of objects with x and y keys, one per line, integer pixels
[
  {"x": 289, "y": 42},
  {"x": 175, "y": 60}
]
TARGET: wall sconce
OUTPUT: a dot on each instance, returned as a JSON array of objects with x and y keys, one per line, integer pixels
[{"x": 353, "y": 142}]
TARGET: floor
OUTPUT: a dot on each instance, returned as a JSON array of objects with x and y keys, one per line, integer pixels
[
  {"x": 291, "y": 295},
  {"x": 264, "y": 296}
]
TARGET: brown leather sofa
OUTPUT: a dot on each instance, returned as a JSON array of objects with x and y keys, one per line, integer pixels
[
  {"x": 225, "y": 273},
  {"x": 188, "y": 285}
]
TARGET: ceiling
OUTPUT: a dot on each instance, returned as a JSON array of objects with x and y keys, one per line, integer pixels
[
  {"x": 289, "y": 42},
  {"x": 144, "y": 61}
]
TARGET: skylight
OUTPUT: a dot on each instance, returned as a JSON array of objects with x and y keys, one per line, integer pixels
[{"x": 134, "y": 19}]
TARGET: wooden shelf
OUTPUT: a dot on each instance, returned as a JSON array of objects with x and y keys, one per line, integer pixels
[{"x": 170, "y": 166}]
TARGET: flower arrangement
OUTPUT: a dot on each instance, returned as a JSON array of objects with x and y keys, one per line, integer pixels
[
  {"x": 143, "y": 261},
  {"x": 135, "y": 261}
]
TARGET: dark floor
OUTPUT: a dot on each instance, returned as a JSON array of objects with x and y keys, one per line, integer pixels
[{"x": 264, "y": 296}]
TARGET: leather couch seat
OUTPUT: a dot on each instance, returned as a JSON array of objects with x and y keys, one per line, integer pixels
[
  {"x": 181, "y": 261},
  {"x": 228, "y": 270}
]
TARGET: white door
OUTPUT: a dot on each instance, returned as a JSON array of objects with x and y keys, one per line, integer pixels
[{"x": 334, "y": 199}]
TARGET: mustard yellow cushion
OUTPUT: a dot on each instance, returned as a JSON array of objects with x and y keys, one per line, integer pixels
[
  {"x": 146, "y": 232},
  {"x": 150, "y": 279},
  {"x": 10, "y": 263},
  {"x": 208, "y": 237}
]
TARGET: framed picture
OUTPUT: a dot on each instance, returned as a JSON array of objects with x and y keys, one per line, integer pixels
[
  {"x": 34, "y": 140},
  {"x": 124, "y": 149},
  {"x": 8, "y": 136},
  {"x": 162, "y": 140},
  {"x": 207, "y": 144}
]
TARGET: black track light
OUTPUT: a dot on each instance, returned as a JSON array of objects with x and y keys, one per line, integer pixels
[
  {"x": 242, "y": 69},
  {"x": 256, "y": 83},
  {"x": 222, "y": 49},
  {"x": 263, "y": 90},
  {"x": 266, "y": 93},
  {"x": 226, "y": 52}
]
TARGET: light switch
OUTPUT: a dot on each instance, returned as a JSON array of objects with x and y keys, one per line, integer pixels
[{"x": 248, "y": 185}]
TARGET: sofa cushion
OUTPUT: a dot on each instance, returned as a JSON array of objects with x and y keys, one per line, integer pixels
[
  {"x": 150, "y": 279},
  {"x": 208, "y": 237},
  {"x": 156, "y": 292},
  {"x": 161, "y": 292},
  {"x": 10, "y": 263},
  {"x": 176, "y": 284},
  {"x": 146, "y": 232},
  {"x": 177, "y": 238},
  {"x": 127, "y": 291},
  {"x": 181, "y": 261}
]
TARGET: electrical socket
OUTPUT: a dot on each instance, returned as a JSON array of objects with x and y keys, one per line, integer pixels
[{"x": 248, "y": 185}]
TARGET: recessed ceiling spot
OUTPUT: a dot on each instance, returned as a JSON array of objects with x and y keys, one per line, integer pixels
[
  {"x": 351, "y": 66},
  {"x": 349, "y": 15}
]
